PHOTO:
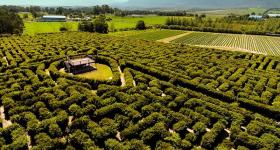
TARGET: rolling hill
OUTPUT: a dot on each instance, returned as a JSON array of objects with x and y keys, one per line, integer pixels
[{"x": 201, "y": 3}]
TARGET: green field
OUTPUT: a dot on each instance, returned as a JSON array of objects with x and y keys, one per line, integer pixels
[
  {"x": 32, "y": 28},
  {"x": 103, "y": 72},
  {"x": 267, "y": 45},
  {"x": 252, "y": 43},
  {"x": 130, "y": 22},
  {"x": 236, "y": 11},
  {"x": 148, "y": 34}
]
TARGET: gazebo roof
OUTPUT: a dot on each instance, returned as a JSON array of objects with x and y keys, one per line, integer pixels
[{"x": 81, "y": 61}]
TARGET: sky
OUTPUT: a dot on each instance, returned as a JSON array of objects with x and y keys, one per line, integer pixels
[
  {"x": 59, "y": 2},
  {"x": 150, "y": 3}
]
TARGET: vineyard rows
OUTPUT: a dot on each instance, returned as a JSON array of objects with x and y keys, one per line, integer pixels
[
  {"x": 162, "y": 96},
  {"x": 252, "y": 43}
]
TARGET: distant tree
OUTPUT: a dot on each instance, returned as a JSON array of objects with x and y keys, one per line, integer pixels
[
  {"x": 10, "y": 22},
  {"x": 59, "y": 10},
  {"x": 98, "y": 25},
  {"x": 25, "y": 16},
  {"x": 86, "y": 26},
  {"x": 35, "y": 11},
  {"x": 66, "y": 27},
  {"x": 203, "y": 15},
  {"x": 140, "y": 25},
  {"x": 63, "y": 29}
]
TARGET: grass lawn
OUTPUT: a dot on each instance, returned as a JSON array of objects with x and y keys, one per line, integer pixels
[
  {"x": 152, "y": 35},
  {"x": 32, "y": 28},
  {"x": 103, "y": 72}
]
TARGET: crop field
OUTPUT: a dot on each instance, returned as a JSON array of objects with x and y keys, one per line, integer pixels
[
  {"x": 32, "y": 28},
  {"x": 252, "y": 43},
  {"x": 152, "y": 35},
  {"x": 161, "y": 96},
  {"x": 237, "y": 11}
]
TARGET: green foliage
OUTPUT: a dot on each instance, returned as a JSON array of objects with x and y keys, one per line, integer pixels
[
  {"x": 140, "y": 25},
  {"x": 98, "y": 25},
  {"x": 227, "y": 24},
  {"x": 81, "y": 140},
  {"x": 210, "y": 138},
  {"x": 183, "y": 97},
  {"x": 10, "y": 22}
]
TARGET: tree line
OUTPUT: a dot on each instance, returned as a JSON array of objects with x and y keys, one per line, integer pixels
[
  {"x": 228, "y": 24},
  {"x": 152, "y": 12},
  {"x": 10, "y": 22}
]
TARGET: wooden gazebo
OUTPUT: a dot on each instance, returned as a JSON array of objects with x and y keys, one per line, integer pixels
[{"x": 80, "y": 64}]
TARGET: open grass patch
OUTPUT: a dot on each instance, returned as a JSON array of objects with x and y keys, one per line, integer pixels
[
  {"x": 103, "y": 72},
  {"x": 32, "y": 28}
]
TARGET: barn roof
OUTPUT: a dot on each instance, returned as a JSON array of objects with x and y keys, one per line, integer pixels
[
  {"x": 256, "y": 16},
  {"x": 55, "y": 17},
  {"x": 274, "y": 15}
]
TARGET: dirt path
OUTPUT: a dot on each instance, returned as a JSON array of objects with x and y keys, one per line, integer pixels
[
  {"x": 6, "y": 60},
  {"x": 47, "y": 72},
  {"x": 6, "y": 123},
  {"x": 172, "y": 38},
  {"x": 134, "y": 83},
  {"x": 118, "y": 136},
  {"x": 228, "y": 49},
  {"x": 29, "y": 141},
  {"x": 122, "y": 77},
  {"x": 70, "y": 118}
]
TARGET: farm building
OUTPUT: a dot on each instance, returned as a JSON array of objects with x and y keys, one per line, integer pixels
[
  {"x": 256, "y": 17},
  {"x": 80, "y": 64},
  {"x": 274, "y": 15},
  {"x": 53, "y": 19}
]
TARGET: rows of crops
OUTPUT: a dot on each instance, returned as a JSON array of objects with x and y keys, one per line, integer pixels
[
  {"x": 174, "y": 96},
  {"x": 258, "y": 44}
]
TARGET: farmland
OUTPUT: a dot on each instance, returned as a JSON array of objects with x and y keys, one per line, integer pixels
[
  {"x": 172, "y": 96},
  {"x": 252, "y": 43},
  {"x": 32, "y": 28},
  {"x": 130, "y": 21},
  {"x": 152, "y": 35}
]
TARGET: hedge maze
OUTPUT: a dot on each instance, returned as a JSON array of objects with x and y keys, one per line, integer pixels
[{"x": 174, "y": 96}]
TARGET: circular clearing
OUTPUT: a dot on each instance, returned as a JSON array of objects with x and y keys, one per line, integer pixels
[{"x": 103, "y": 72}]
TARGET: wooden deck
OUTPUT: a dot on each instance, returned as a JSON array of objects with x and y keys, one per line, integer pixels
[
  {"x": 81, "y": 61},
  {"x": 80, "y": 64}
]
